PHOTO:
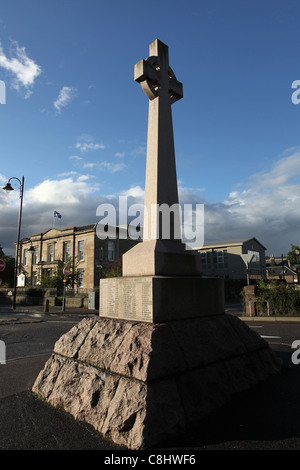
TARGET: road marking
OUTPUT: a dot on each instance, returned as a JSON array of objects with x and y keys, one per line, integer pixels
[
  {"x": 270, "y": 337},
  {"x": 73, "y": 322},
  {"x": 46, "y": 353},
  {"x": 266, "y": 337}
]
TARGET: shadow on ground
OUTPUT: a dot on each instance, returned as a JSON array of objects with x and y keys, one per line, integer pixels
[{"x": 266, "y": 417}]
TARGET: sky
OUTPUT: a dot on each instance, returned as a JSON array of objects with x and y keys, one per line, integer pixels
[{"x": 74, "y": 121}]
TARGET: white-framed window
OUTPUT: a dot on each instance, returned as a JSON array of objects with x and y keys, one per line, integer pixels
[
  {"x": 219, "y": 257},
  {"x": 67, "y": 251},
  {"x": 50, "y": 253},
  {"x": 25, "y": 257},
  {"x": 81, "y": 250},
  {"x": 80, "y": 279},
  {"x": 111, "y": 251}
]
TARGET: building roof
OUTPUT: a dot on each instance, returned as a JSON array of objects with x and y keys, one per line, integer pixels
[
  {"x": 229, "y": 242},
  {"x": 277, "y": 270},
  {"x": 55, "y": 232}
]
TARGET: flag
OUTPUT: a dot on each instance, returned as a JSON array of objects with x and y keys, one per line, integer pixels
[{"x": 57, "y": 214}]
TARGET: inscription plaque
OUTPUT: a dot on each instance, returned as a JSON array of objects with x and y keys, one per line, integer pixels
[{"x": 127, "y": 298}]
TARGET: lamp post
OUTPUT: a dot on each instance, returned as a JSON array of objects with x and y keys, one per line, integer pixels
[{"x": 9, "y": 187}]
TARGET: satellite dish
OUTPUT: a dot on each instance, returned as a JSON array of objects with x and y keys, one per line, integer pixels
[{"x": 247, "y": 258}]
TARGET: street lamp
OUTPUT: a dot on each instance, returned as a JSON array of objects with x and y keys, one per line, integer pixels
[{"x": 9, "y": 188}]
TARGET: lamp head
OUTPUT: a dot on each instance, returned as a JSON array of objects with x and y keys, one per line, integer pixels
[{"x": 8, "y": 187}]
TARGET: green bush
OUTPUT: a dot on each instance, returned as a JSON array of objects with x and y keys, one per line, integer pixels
[
  {"x": 35, "y": 292},
  {"x": 283, "y": 299}
]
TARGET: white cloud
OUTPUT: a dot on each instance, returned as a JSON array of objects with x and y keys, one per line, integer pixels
[
  {"x": 3, "y": 179},
  {"x": 67, "y": 173},
  {"x": 68, "y": 190},
  {"x": 24, "y": 69},
  {"x": 86, "y": 144},
  {"x": 111, "y": 167},
  {"x": 135, "y": 192},
  {"x": 283, "y": 170},
  {"x": 65, "y": 96},
  {"x": 75, "y": 157},
  {"x": 86, "y": 147},
  {"x": 84, "y": 178},
  {"x": 266, "y": 206},
  {"x": 90, "y": 165}
]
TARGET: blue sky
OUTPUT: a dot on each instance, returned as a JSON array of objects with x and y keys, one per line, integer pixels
[{"x": 75, "y": 122}]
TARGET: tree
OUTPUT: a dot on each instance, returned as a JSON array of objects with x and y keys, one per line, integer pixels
[
  {"x": 7, "y": 275},
  {"x": 294, "y": 254},
  {"x": 55, "y": 279},
  {"x": 113, "y": 268}
]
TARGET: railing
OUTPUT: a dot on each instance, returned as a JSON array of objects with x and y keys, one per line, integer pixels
[{"x": 254, "y": 302}]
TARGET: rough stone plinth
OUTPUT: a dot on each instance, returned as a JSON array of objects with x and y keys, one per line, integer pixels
[
  {"x": 139, "y": 383},
  {"x": 161, "y": 298}
]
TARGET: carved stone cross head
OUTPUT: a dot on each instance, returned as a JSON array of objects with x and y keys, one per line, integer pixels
[{"x": 155, "y": 74}]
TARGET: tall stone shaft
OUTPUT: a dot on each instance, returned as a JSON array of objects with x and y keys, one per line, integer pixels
[
  {"x": 162, "y": 252},
  {"x": 158, "y": 81}
]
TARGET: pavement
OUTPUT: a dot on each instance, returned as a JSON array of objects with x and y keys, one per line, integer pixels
[
  {"x": 265, "y": 417},
  {"x": 31, "y": 313}
]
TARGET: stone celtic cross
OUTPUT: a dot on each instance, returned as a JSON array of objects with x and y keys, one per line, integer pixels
[
  {"x": 155, "y": 74},
  {"x": 162, "y": 252},
  {"x": 162, "y": 88}
]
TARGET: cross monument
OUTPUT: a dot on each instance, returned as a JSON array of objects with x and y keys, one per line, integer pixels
[
  {"x": 161, "y": 87},
  {"x": 158, "y": 254}
]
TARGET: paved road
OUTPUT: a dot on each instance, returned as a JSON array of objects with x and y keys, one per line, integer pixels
[{"x": 267, "y": 417}]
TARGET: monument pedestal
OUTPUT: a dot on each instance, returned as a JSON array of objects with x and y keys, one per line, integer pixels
[
  {"x": 141, "y": 383},
  {"x": 160, "y": 298},
  {"x": 161, "y": 258}
]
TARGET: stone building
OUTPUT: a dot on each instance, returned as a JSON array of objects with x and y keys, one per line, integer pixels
[
  {"x": 223, "y": 258},
  {"x": 41, "y": 253}
]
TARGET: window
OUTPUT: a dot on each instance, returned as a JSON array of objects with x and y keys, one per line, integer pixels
[
  {"x": 47, "y": 272},
  {"x": 220, "y": 259},
  {"x": 80, "y": 250},
  {"x": 51, "y": 253},
  {"x": 35, "y": 255},
  {"x": 25, "y": 257},
  {"x": 80, "y": 277},
  {"x": 34, "y": 278},
  {"x": 255, "y": 257},
  {"x": 111, "y": 251},
  {"x": 255, "y": 263},
  {"x": 67, "y": 251},
  {"x": 204, "y": 257}
]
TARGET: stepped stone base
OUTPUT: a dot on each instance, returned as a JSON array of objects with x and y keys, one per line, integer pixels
[{"x": 139, "y": 383}]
